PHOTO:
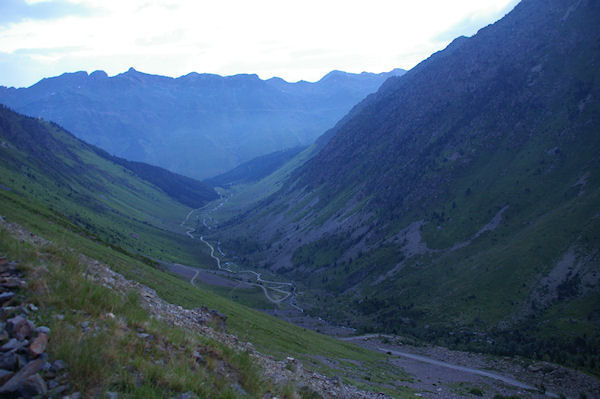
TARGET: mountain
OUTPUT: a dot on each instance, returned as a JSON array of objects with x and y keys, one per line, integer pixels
[
  {"x": 199, "y": 125},
  {"x": 130, "y": 205},
  {"x": 186, "y": 190},
  {"x": 460, "y": 202},
  {"x": 255, "y": 169},
  {"x": 87, "y": 309}
]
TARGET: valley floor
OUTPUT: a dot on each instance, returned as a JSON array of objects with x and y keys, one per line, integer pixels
[
  {"x": 439, "y": 372},
  {"x": 443, "y": 373},
  {"x": 435, "y": 372}
]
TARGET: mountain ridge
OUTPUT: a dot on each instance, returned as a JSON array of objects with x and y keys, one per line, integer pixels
[
  {"x": 197, "y": 124},
  {"x": 386, "y": 224},
  {"x": 46, "y": 165},
  {"x": 83, "y": 241}
]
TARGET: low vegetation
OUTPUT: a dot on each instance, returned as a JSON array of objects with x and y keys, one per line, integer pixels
[
  {"x": 59, "y": 279},
  {"x": 110, "y": 343},
  {"x": 455, "y": 206}
]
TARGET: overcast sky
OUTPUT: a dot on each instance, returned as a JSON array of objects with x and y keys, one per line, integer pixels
[{"x": 290, "y": 39}]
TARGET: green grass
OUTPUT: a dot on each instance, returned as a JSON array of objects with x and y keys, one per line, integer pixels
[
  {"x": 268, "y": 334},
  {"x": 243, "y": 197},
  {"x": 93, "y": 193},
  {"x": 252, "y": 297},
  {"x": 109, "y": 354}
]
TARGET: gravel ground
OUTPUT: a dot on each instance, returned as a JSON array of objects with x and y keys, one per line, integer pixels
[{"x": 435, "y": 381}]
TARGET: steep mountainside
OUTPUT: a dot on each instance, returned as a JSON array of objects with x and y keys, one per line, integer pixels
[
  {"x": 461, "y": 201},
  {"x": 44, "y": 164},
  {"x": 79, "y": 239},
  {"x": 199, "y": 125},
  {"x": 184, "y": 189},
  {"x": 255, "y": 169}
]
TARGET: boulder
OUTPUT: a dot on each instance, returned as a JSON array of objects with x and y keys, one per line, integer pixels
[
  {"x": 5, "y": 375},
  {"x": 16, "y": 383},
  {"x": 33, "y": 385},
  {"x": 19, "y": 327},
  {"x": 38, "y": 345}
]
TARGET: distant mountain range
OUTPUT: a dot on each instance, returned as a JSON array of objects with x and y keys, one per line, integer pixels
[
  {"x": 199, "y": 125},
  {"x": 461, "y": 201}
]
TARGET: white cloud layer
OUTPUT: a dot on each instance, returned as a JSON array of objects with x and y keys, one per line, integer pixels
[{"x": 293, "y": 40}]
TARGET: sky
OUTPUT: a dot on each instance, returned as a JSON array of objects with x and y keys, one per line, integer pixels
[{"x": 295, "y": 40}]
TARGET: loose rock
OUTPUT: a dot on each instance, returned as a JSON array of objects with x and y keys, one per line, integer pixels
[
  {"x": 19, "y": 327},
  {"x": 18, "y": 380},
  {"x": 11, "y": 345},
  {"x": 5, "y": 375},
  {"x": 43, "y": 329},
  {"x": 38, "y": 345},
  {"x": 6, "y": 296},
  {"x": 33, "y": 386}
]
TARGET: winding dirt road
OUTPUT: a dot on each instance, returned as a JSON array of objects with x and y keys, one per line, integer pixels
[
  {"x": 265, "y": 285},
  {"x": 506, "y": 380},
  {"x": 286, "y": 294},
  {"x": 375, "y": 342}
]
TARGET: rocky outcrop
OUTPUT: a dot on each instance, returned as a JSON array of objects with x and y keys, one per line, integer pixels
[{"x": 23, "y": 357}]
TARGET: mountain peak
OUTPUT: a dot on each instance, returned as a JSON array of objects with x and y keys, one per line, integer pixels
[
  {"x": 335, "y": 74},
  {"x": 96, "y": 75}
]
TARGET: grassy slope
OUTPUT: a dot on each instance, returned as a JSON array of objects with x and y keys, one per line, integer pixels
[
  {"x": 111, "y": 355},
  {"x": 242, "y": 197},
  {"x": 188, "y": 191},
  {"x": 255, "y": 169},
  {"x": 268, "y": 334},
  {"x": 90, "y": 205},
  {"x": 94, "y": 193},
  {"x": 543, "y": 165}
]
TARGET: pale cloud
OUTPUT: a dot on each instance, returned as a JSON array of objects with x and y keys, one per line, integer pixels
[
  {"x": 293, "y": 40},
  {"x": 14, "y": 11}
]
